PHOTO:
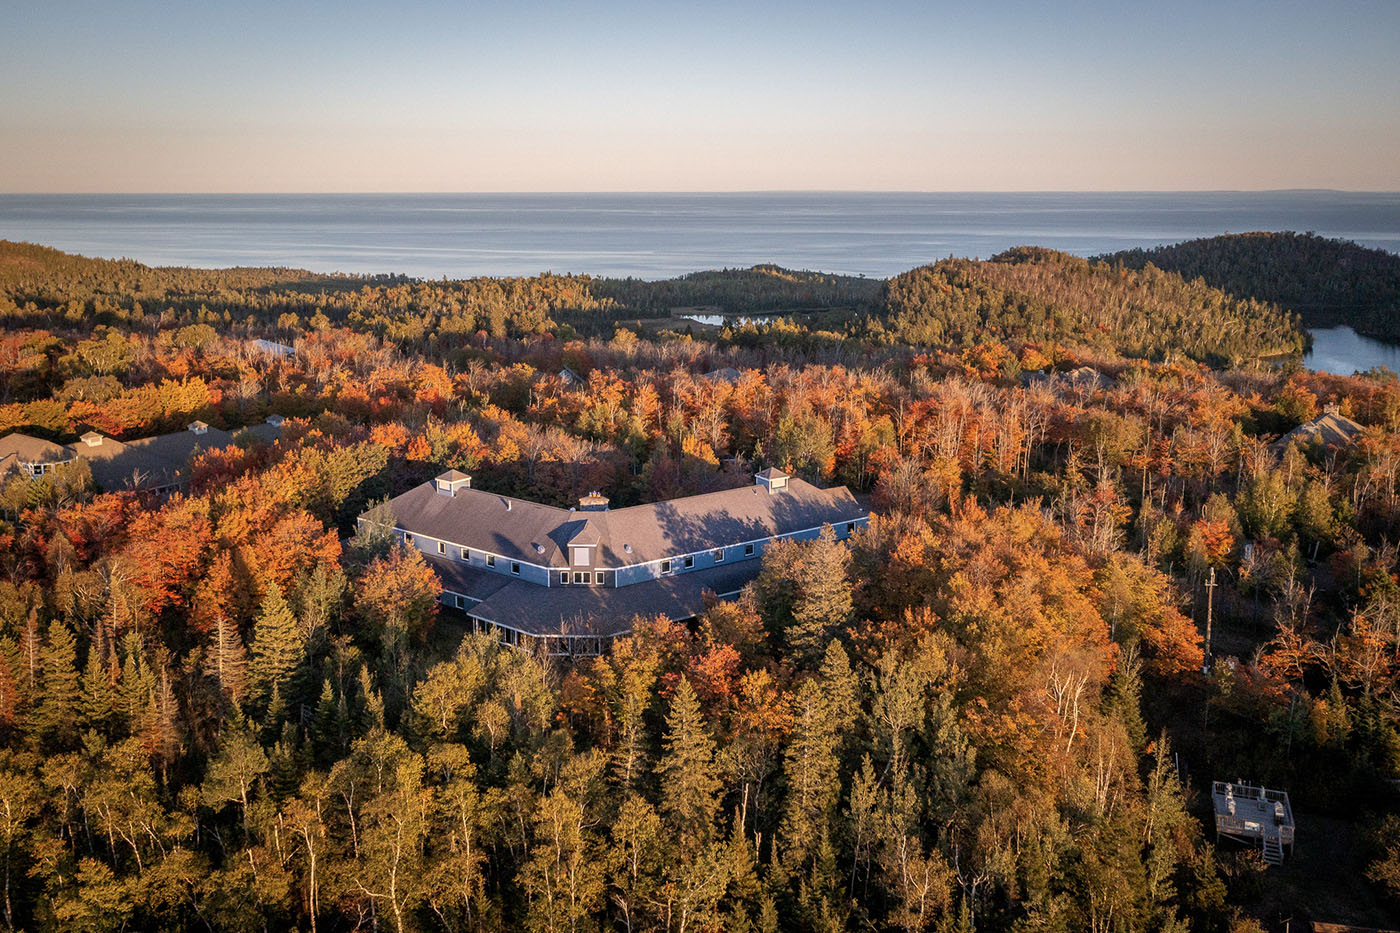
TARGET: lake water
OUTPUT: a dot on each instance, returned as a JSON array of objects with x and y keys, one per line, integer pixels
[
  {"x": 1343, "y": 351},
  {"x": 659, "y": 235}
]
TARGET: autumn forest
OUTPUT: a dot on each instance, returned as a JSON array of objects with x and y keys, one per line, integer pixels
[{"x": 999, "y": 708}]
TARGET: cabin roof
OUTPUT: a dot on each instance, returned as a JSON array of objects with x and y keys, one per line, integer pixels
[{"x": 1330, "y": 430}]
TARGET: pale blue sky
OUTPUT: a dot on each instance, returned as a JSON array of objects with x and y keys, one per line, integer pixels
[{"x": 605, "y": 96}]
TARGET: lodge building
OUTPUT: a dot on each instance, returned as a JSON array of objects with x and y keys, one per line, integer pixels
[
  {"x": 148, "y": 464},
  {"x": 574, "y": 579}
]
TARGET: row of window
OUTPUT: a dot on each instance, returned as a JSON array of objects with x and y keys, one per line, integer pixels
[
  {"x": 688, "y": 561},
  {"x": 596, "y": 578},
  {"x": 582, "y": 577},
  {"x": 465, "y": 554}
]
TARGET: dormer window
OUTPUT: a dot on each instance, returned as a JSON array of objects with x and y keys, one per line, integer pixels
[
  {"x": 665, "y": 567},
  {"x": 581, "y": 558},
  {"x": 689, "y": 561}
]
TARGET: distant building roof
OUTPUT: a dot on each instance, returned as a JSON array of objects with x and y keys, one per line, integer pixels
[
  {"x": 272, "y": 349},
  {"x": 1083, "y": 377},
  {"x": 29, "y": 449},
  {"x": 724, "y": 374},
  {"x": 569, "y": 377},
  {"x": 149, "y": 461},
  {"x": 1329, "y": 430},
  {"x": 145, "y": 462},
  {"x": 516, "y": 529}
]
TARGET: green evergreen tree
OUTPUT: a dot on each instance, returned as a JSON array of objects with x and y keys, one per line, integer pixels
[
  {"x": 56, "y": 714},
  {"x": 689, "y": 779},
  {"x": 278, "y": 647},
  {"x": 99, "y": 696}
]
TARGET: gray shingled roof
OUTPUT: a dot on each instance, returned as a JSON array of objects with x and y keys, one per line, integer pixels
[
  {"x": 600, "y": 610},
  {"x": 1329, "y": 430},
  {"x": 158, "y": 460},
  {"x": 33, "y": 449},
  {"x": 478, "y": 519}
]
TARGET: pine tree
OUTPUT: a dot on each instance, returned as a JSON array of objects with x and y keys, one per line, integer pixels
[
  {"x": 689, "y": 780},
  {"x": 1124, "y": 697},
  {"x": 278, "y": 647},
  {"x": 226, "y": 660},
  {"x": 136, "y": 685},
  {"x": 56, "y": 714},
  {"x": 99, "y": 696},
  {"x": 822, "y": 606}
]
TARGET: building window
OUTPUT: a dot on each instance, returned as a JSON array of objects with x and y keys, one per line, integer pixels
[
  {"x": 748, "y": 550},
  {"x": 689, "y": 561},
  {"x": 490, "y": 560},
  {"x": 442, "y": 547},
  {"x": 718, "y": 555},
  {"x": 850, "y": 528},
  {"x": 580, "y": 576},
  {"x": 580, "y": 557},
  {"x": 665, "y": 567},
  {"x": 407, "y": 538},
  {"x": 461, "y": 602},
  {"x": 564, "y": 577},
  {"x": 515, "y": 568},
  {"x": 466, "y": 555},
  {"x": 598, "y": 577}
]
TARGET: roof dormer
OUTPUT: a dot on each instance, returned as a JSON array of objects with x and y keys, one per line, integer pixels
[
  {"x": 448, "y": 483},
  {"x": 771, "y": 479}
]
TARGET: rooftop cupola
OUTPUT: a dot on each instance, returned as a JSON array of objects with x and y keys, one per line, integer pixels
[
  {"x": 198, "y": 427},
  {"x": 91, "y": 439},
  {"x": 593, "y": 502},
  {"x": 448, "y": 483},
  {"x": 773, "y": 480}
]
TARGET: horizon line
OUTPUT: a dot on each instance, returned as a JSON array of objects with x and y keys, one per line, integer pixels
[{"x": 716, "y": 191}]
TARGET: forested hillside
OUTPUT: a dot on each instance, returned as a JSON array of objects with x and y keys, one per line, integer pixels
[
  {"x": 1042, "y": 296},
  {"x": 1328, "y": 282},
  {"x": 997, "y": 710}
]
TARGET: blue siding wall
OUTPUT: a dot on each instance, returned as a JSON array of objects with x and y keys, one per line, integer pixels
[{"x": 530, "y": 572}]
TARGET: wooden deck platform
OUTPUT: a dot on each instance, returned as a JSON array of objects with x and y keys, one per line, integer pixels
[{"x": 1253, "y": 814}]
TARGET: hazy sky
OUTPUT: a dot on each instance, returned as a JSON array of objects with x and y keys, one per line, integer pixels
[{"x": 286, "y": 96}]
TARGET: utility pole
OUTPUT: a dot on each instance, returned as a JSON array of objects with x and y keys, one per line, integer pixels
[{"x": 1210, "y": 601}]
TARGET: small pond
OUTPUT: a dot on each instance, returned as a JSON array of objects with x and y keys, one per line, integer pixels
[{"x": 1343, "y": 351}]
